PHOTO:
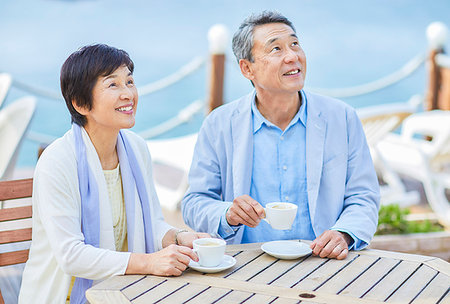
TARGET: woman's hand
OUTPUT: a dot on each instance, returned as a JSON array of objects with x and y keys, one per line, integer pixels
[
  {"x": 170, "y": 261},
  {"x": 186, "y": 238}
]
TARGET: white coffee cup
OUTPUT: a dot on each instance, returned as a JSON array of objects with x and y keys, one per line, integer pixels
[
  {"x": 210, "y": 251},
  {"x": 280, "y": 215}
]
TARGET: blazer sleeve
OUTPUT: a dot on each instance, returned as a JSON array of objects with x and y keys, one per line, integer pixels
[
  {"x": 202, "y": 206},
  {"x": 362, "y": 197}
]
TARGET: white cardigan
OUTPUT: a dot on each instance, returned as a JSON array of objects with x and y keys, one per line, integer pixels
[{"x": 58, "y": 251}]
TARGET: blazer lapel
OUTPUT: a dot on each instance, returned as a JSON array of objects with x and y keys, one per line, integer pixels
[
  {"x": 315, "y": 140},
  {"x": 242, "y": 137}
]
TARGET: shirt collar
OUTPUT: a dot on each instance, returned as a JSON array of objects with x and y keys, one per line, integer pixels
[{"x": 259, "y": 119}]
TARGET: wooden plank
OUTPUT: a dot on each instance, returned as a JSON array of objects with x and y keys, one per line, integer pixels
[
  {"x": 16, "y": 189},
  {"x": 439, "y": 265},
  {"x": 276, "y": 270},
  {"x": 159, "y": 292},
  {"x": 396, "y": 255},
  {"x": 434, "y": 291},
  {"x": 348, "y": 274},
  {"x": 234, "y": 296},
  {"x": 369, "y": 278},
  {"x": 411, "y": 288},
  {"x": 12, "y": 236},
  {"x": 10, "y": 214},
  {"x": 143, "y": 285},
  {"x": 319, "y": 276},
  {"x": 281, "y": 300},
  {"x": 183, "y": 294},
  {"x": 227, "y": 284},
  {"x": 391, "y": 281},
  {"x": 258, "y": 299},
  {"x": 299, "y": 272},
  {"x": 244, "y": 247},
  {"x": 242, "y": 259},
  {"x": 102, "y": 296},
  {"x": 208, "y": 295},
  {"x": 118, "y": 282},
  {"x": 251, "y": 268},
  {"x": 14, "y": 257}
]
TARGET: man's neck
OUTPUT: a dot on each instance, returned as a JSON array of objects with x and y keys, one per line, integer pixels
[{"x": 278, "y": 109}]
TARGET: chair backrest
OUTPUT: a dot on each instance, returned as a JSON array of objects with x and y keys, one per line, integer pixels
[
  {"x": 15, "y": 120},
  {"x": 11, "y": 190},
  {"x": 435, "y": 125},
  {"x": 379, "y": 120}
]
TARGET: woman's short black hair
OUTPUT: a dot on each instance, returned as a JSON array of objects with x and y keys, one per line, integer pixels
[{"x": 81, "y": 70}]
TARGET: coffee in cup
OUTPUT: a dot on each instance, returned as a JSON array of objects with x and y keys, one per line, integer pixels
[
  {"x": 280, "y": 215},
  {"x": 210, "y": 251}
]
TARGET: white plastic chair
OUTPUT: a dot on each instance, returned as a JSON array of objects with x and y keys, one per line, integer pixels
[
  {"x": 171, "y": 159},
  {"x": 378, "y": 122},
  {"x": 5, "y": 83},
  {"x": 14, "y": 121},
  {"x": 428, "y": 161}
]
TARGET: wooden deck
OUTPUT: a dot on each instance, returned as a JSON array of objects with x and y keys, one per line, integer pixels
[{"x": 369, "y": 276}]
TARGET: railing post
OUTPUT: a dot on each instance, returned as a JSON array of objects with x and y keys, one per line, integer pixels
[
  {"x": 437, "y": 37},
  {"x": 218, "y": 40}
]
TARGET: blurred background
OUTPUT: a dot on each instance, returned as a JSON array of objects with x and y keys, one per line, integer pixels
[{"x": 347, "y": 43}]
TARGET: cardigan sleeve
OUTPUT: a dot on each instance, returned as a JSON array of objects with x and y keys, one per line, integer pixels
[{"x": 56, "y": 201}]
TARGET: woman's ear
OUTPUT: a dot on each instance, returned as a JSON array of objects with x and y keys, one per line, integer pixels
[
  {"x": 81, "y": 110},
  {"x": 246, "y": 69}
]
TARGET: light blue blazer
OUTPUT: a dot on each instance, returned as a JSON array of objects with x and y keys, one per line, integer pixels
[{"x": 343, "y": 190}]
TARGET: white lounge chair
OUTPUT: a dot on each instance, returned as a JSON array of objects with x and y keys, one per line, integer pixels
[
  {"x": 14, "y": 121},
  {"x": 171, "y": 160},
  {"x": 427, "y": 161},
  {"x": 378, "y": 122},
  {"x": 5, "y": 83}
]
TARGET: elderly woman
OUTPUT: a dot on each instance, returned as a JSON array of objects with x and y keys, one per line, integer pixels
[{"x": 95, "y": 210}]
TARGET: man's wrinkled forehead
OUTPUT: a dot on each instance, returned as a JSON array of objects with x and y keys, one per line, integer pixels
[{"x": 271, "y": 32}]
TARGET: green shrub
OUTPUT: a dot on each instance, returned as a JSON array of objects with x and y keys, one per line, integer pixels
[{"x": 392, "y": 220}]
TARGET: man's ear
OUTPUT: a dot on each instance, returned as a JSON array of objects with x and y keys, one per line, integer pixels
[
  {"x": 81, "y": 110},
  {"x": 246, "y": 69}
]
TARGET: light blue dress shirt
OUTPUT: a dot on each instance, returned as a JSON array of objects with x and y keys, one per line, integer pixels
[
  {"x": 278, "y": 175},
  {"x": 342, "y": 187}
]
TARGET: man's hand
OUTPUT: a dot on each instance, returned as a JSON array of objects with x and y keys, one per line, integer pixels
[
  {"x": 245, "y": 210},
  {"x": 331, "y": 244}
]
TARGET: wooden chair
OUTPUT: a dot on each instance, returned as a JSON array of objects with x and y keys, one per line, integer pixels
[{"x": 11, "y": 190}]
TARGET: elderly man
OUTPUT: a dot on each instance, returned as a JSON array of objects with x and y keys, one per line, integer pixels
[{"x": 281, "y": 143}]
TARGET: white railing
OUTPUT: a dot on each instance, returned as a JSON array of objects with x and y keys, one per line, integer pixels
[
  {"x": 150, "y": 88},
  {"x": 436, "y": 32}
]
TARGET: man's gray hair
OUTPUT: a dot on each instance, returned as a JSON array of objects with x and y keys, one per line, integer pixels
[{"x": 243, "y": 38}]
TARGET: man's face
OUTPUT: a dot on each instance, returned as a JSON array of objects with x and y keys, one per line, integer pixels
[{"x": 279, "y": 62}]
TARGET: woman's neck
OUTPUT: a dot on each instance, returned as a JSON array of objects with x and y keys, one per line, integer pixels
[{"x": 105, "y": 144}]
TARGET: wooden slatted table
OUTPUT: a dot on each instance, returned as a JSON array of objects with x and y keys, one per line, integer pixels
[{"x": 368, "y": 276}]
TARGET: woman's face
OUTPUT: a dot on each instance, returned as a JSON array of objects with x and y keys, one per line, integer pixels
[{"x": 114, "y": 102}]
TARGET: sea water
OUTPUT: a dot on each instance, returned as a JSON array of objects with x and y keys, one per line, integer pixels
[{"x": 347, "y": 43}]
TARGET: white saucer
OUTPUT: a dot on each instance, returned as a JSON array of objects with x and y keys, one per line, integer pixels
[
  {"x": 287, "y": 250},
  {"x": 228, "y": 262}
]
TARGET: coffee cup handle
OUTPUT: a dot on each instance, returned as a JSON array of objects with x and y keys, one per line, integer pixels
[
  {"x": 265, "y": 212},
  {"x": 196, "y": 252}
]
